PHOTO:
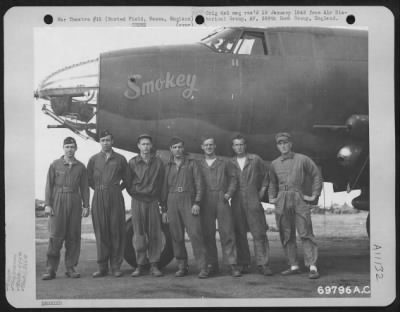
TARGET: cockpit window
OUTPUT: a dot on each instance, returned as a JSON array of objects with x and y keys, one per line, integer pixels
[
  {"x": 223, "y": 40},
  {"x": 251, "y": 43}
]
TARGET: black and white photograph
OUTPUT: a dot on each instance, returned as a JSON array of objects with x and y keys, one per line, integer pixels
[{"x": 231, "y": 162}]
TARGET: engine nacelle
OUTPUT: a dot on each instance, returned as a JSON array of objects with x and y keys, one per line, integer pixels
[
  {"x": 349, "y": 154},
  {"x": 361, "y": 203},
  {"x": 358, "y": 126}
]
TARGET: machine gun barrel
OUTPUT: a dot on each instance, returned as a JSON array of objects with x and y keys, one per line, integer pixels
[{"x": 56, "y": 126}]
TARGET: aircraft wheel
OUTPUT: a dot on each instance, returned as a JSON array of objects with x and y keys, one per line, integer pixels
[
  {"x": 367, "y": 225},
  {"x": 166, "y": 254}
]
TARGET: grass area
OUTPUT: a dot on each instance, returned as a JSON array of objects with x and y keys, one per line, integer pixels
[{"x": 324, "y": 225}]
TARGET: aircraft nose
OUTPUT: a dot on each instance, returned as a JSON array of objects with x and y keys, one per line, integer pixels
[
  {"x": 70, "y": 80},
  {"x": 70, "y": 95}
]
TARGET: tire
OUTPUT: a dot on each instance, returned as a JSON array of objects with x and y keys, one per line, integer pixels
[
  {"x": 167, "y": 253},
  {"x": 367, "y": 225}
]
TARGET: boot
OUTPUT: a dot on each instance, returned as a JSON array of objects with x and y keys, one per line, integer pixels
[
  {"x": 49, "y": 275},
  {"x": 291, "y": 271},
  {"x": 235, "y": 271},
  {"x": 155, "y": 271},
  {"x": 203, "y": 273},
  {"x": 182, "y": 268},
  {"x": 138, "y": 271},
  {"x": 100, "y": 273},
  {"x": 212, "y": 269},
  {"x": 313, "y": 273},
  {"x": 117, "y": 273},
  {"x": 265, "y": 270},
  {"x": 245, "y": 269},
  {"x": 72, "y": 273}
]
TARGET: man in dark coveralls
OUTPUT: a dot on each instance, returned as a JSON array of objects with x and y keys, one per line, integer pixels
[
  {"x": 291, "y": 194},
  {"x": 181, "y": 196},
  {"x": 248, "y": 213},
  {"x": 66, "y": 189},
  {"x": 147, "y": 175},
  {"x": 105, "y": 172},
  {"x": 220, "y": 184}
]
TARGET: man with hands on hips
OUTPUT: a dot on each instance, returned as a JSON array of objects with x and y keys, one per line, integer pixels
[{"x": 291, "y": 193}]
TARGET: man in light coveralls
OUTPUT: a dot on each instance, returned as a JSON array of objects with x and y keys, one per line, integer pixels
[{"x": 290, "y": 192}]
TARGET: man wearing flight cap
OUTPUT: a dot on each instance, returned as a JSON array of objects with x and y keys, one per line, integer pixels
[
  {"x": 181, "y": 195},
  {"x": 66, "y": 189},
  {"x": 147, "y": 174},
  {"x": 106, "y": 170},
  {"x": 291, "y": 193}
]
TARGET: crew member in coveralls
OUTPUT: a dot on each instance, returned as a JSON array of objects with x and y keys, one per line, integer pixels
[
  {"x": 106, "y": 170},
  {"x": 291, "y": 193},
  {"x": 248, "y": 213},
  {"x": 66, "y": 189},
  {"x": 147, "y": 174},
  {"x": 220, "y": 185},
  {"x": 181, "y": 196}
]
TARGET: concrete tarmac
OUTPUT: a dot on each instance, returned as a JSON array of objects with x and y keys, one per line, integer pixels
[{"x": 344, "y": 260}]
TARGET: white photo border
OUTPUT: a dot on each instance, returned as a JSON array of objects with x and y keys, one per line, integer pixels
[{"x": 19, "y": 23}]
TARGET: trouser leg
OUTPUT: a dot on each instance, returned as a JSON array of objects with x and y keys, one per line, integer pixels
[
  {"x": 100, "y": 219},
  {"x": 193, "y": 228},
  {"x": 53, "y": 253},
  {"x": 117, "y": 230},
  {"x": 208, "y": 214},
  {"x": 154, "y": 233},
  {"x": 57, "y": 227},
  {"x": 226, "y": 232},
  {"x": 310, "y": 248},
  {"x": 287, "y": 233},
  {"x": 258, "y": 228},
  {"x": 73, "y": 238},
  {"x": 177, "y": 230},
  {"x": 261, "y": 250},
  {"x": 240, "y": 228},
  {"x": 140, "y": 241},
  {"x": 243, "y": 251}
]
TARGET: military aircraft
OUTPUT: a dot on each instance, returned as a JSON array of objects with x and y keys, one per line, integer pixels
[{"x": 312, "y": 82}]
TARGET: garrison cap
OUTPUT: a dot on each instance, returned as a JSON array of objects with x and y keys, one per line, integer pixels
[
  {"x": 104, "y": 133},
  {"x": 69, "y": 140},
  {"x": 144, "y": 136},
  {"x": 175, "y": 140},
  {"x": 282, "y": 136}
]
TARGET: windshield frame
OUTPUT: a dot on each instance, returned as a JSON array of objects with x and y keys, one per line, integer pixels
[{"x": 207, "y": 41}]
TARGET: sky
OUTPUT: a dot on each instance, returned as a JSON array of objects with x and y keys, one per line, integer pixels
[{"x": 55, "y": 48}]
